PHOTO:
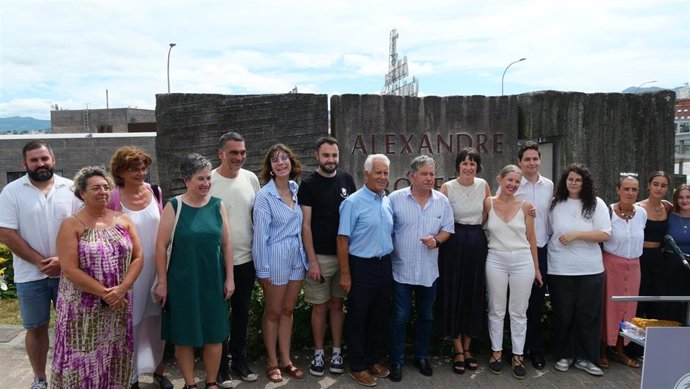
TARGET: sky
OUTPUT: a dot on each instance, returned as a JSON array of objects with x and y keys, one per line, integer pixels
[{"x": 70, "y": 52}]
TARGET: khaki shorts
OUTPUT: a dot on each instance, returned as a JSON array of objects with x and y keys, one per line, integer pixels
[{"x": 316, "y": 292}]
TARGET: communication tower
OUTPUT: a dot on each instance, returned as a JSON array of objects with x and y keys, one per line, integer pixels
[{"x": 397, "y": 71}]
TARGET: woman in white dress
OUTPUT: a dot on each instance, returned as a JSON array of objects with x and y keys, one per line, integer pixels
[{"x": 142, "y": 203}]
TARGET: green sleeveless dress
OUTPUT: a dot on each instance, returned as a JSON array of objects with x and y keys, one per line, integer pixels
[{"x": 196, "y": 312}]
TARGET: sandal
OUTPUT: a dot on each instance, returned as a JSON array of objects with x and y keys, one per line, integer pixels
[
  {"x": 518, "y": 367},
  {"x": 293, "y": 371},
  {"x": 273, "y": 373},
  {"x": 192, "y": 386},
  {"x": 624, "y": 359},
  {"x": 458, "y": 365},
  {"x": 162, "y": 381},
  {"x": 470, "y": 363},
  {"x": 496, "y": 363},
  {"x": 211, "y": 384}
]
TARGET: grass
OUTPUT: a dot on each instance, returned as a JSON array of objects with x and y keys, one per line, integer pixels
[{"x": 9, "y": 312}]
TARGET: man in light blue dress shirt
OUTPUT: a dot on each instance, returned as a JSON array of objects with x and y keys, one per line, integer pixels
[
  {"x": 422, "y": 221},
  {"x": 364, "y": 244}
]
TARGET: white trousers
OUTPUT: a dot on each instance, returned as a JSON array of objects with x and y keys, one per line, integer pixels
[{"x": 504, "y": 270}]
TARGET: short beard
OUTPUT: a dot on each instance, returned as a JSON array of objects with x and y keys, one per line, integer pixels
[
  {"x": 327, "y": 170},
  {"x": 41, "y": 175}
]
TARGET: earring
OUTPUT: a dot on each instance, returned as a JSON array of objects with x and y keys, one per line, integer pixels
[{"x": 271, "y": 173}]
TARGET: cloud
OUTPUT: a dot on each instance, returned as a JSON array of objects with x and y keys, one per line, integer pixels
[{"x": 70, "y": 52}]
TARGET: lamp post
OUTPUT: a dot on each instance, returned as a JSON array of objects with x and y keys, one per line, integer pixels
[
  {"x": 504, "y": 72},
  {"x": 644, "y": 83},
  {"x": 169, "y": 50}
]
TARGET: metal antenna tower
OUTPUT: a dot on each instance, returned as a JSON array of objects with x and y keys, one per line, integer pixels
[{"x": 395, "y": 83}]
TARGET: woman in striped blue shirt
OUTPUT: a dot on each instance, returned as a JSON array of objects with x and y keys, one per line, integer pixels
[{"x": 279, "y": 256}]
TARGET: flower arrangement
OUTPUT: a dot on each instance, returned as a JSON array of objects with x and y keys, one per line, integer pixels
[{"x": 7, "y": 287}]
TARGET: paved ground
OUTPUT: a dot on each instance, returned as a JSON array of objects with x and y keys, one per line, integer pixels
[{"x": 15, "y": 372}]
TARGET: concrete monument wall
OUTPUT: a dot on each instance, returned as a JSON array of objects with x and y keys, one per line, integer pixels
[
  {"x": 194, "y": 122},
  {"x": 609, "y": 132},
  {"x": 405, "y": 127}
]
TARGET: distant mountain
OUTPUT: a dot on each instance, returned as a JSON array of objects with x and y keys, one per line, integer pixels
[
  {"x": 18, "y": 124},
  {"x": 634, "y": 89}
]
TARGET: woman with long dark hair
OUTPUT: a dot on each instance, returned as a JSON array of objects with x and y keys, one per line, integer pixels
[
  {"x": 579, "y": 221},
  {"x": 652, "y": 275}
]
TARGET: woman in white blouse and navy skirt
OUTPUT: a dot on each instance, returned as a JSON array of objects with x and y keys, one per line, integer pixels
[{"x": 622, "y": 267}]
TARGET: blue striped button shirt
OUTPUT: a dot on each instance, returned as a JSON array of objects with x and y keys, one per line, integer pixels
[
  {"x": 413, "y": 263},
  {"x": 277, "y": 232},
  {"x": 367, "y": 220}
]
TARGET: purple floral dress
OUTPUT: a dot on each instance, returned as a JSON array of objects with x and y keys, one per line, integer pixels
[{"x": 93, "y": 342}]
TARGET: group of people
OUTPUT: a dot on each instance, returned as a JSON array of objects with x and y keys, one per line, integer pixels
[{"x": 134, "y": 272}]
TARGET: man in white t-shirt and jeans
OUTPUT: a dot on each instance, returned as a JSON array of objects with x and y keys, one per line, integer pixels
[
  {"x": 31, "y": 211},
  {"x": 237, "y": 188}
]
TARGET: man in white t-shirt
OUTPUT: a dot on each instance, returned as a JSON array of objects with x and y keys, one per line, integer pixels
[
  {"x": 237, "y": 188},
  {"x": 31, "y": 210}
]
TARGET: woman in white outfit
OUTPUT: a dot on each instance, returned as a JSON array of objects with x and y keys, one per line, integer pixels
[
  {"x": 511, "y": 263},
  {"x": 135, "y": 197},
  {"x": 579, "y": 220}
]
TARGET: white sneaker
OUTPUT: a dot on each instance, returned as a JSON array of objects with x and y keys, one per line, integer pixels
[
  {"x": 317, "y": 365},
  {"x": 337, "y": 364},
  {"x": 589, "y": 367},
  {"x": 39, "y": 383},
  {"x": 563, "y": 364}
]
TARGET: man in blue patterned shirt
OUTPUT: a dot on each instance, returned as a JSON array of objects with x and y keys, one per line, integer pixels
[{"x": 422, "y": 220}]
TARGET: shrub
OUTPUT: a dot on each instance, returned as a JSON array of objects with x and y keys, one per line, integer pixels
[{"x": 6, "y": 274}]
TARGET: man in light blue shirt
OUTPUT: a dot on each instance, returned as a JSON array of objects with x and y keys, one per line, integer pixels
[
  {"x": 422, "y": 221},
  {"x": 364, "y": 244}
]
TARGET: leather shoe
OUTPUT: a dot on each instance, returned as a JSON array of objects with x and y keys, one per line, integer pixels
[
  {"x": 378, "y": 370},
  {"x": 538, "y": 361},
  {"x": 363, "y": 378},
  {"x": 424, "y": 366},
  {"x": 396, "y": 372}
]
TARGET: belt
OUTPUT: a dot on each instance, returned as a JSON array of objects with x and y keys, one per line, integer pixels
[{"x": 380, "y": 257}]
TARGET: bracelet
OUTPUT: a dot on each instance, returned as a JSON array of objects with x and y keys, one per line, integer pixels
[{"x": 438, "y": 242}]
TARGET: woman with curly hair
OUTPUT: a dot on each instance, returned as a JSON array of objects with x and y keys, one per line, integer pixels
[
  {"x": 279, "y": 257},
  {"x": 141, "y": 201},
  {"x": 579, "y": 221}
]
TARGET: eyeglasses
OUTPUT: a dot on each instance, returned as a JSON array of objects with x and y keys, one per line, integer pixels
[
  {"x": 282, "y": 158},
  {"x": 628, "y": 174}
]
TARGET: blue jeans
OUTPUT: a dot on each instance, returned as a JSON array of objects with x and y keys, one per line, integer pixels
[{"x": 402, "y": 307}]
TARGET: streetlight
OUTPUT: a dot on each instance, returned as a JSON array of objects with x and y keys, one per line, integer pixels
[
  {"x": 504, "y": 72},
  {"x": 169, "y": 50},
  {"x": 644, "y": 83}
]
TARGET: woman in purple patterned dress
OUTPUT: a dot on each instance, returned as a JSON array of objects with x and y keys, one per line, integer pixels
[{"x": 100, "y": 257}]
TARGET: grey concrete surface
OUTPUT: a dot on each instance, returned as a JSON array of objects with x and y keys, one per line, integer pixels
[{"x": 15, "y": 372}]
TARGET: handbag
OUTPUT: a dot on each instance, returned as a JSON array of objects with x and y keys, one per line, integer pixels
[{"x": 172, "y": 237}]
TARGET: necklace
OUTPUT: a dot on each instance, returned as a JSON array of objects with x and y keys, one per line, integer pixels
[{"x": 627, "y": 215}]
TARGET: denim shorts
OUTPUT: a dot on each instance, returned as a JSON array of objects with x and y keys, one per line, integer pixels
[{"x": 34, "y": 301}]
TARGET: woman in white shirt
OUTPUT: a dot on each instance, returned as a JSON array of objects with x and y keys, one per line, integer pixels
[
  {"x": 622, "y": 266},
  {"x": 579, "y": 221}
]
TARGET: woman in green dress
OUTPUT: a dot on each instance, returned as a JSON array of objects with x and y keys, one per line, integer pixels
[{"x": 199, "y": 280}]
